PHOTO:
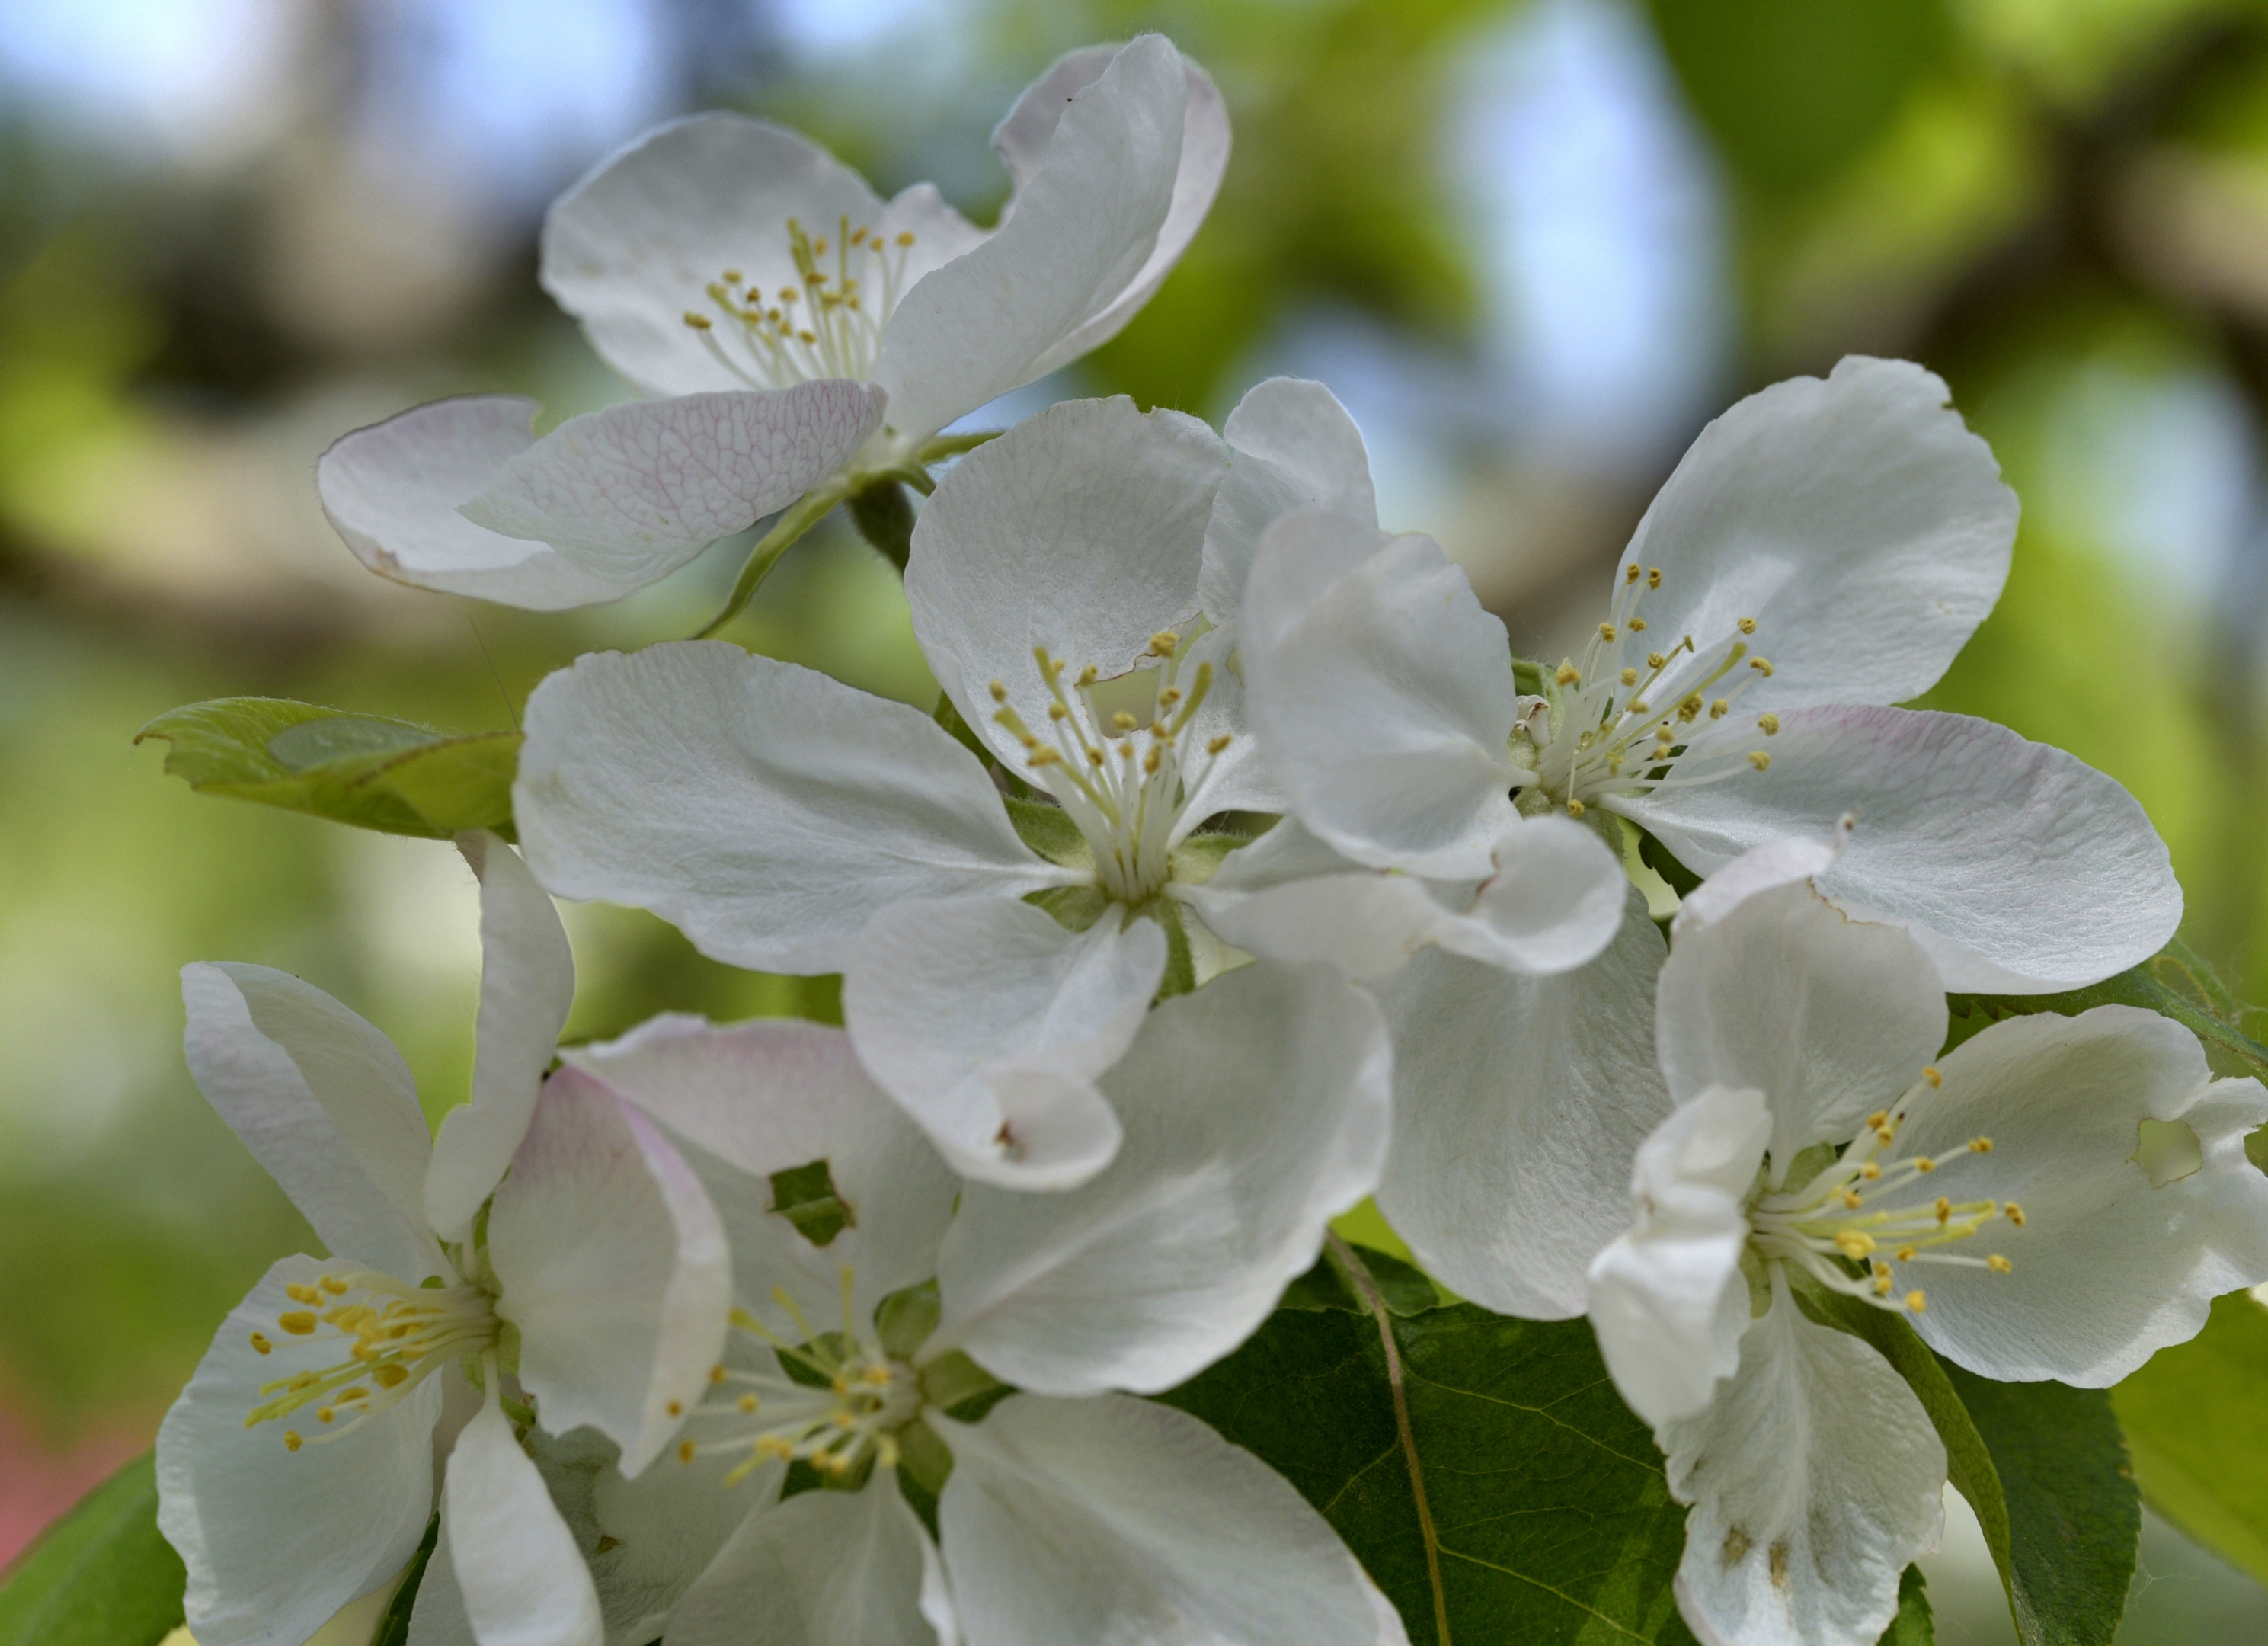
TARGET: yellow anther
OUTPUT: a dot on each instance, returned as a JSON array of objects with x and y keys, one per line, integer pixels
[
  {"x": 1930, "y": 1073},
  {"x": 1851, "y": 1244},
  {"x": 1762, "y": 665},
  {"x": 675, "y": 1408},
  {"x": 1094, "y": 757},
  {"x": 291, "y": 1441},
  {"x": 1044, "y": 758},
  {"x": 1884, "y": 1133},
  {"x": 347, "y": 1397},
  {"x": 1980, "y": 1145},
  {"x": 1922, "y": 1162},
  {"x": 1638, "y": 625},
  {"x": 1916, "y": 1301},
  {"x": 1169, "y": 696},
  {"x": 1638, "y": 705},
  {"x": 1944, "y": 1209},
  {"x": 1149, "y": 761},
  {"x": 905, "y": 238},
  {"x": 715, "y": 1373},
  {"x": 731, "y": 276},
  {"x": 1745, "y": 625},
  {"x": 1850, "y": 1198},
  {"x": 390, "y": 1376},
  {"x": 2000, "y": 1265},
  {"x": 999, "y": 692},
  {"x": 2014, "y": 1213},
  {"x": 1717, "y": 708},
  {"x": 685, "y": 1451},
  {"x": 1606, "y": 632},
  {"x": 1124, "y": 721},
  {"x": 1088, "y": 676},
  {"x": 334, "y": 1286},
  {"x": 1574, "y": 809},
  {"x": 1218, "y": 744},
  {"x": 1165, "y": 643},
  {"x": 1057, "y": 712},
  {"x": 1760, "y": 760},
  {"x": 1870, "y": 1172},
  {"x": 699, "y": 322},
  {"x": 1906, "y": 1254},
  {"x": 1663, "y": 735},
  {"x": 1653, "y": 577},
  {"x": 260, "y": 1345},
  {"x": 299, "y": 1323},
  {"x": 1877, "y": 1120},
  {"x": 1770, "y": 724},
  {"x": 1883, "y": 1283},
  {"x": 1568, "y": 675},
  {"x": 1689, "y": 711},
  {"x": 299, "y": 1293},
  {"x": 748, "y": 1403},
  {"x": 324, "y": 1414},
  {"x": 1655, "y": 660},
  {"x": 1630, "y": 575},
  {"x": 1630, "y": 676}
]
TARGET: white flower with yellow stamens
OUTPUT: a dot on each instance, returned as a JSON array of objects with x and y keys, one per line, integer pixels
[
  {"x": 2055, "y": 1198},
  {"x": 879, "y": 1294},
  {"x": 1823, "y": 551},
  {"x": 788, "y": 823},
  {"x": 550, "y": 1236},
  {"x": 799, "y": 337}
]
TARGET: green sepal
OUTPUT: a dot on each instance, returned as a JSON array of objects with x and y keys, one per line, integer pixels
[
  {"x": 2191, "y": 1414},
  {"x": 1199, "y": 857},
  {"x": 361, "y": 769},
  {"x": 1047, "y": 828},
  {"x": 1180, "y": 974},
  {"x": 791, "y": 523},
  {"x": 394, "y": 1628},
  {"x": 1660, "y": 859},
  {"x": 1530, "y": 677},
  {"x": 904, "y": 1319},
  {"x": 951, "y": 1381},
  {"x": 1075, "y": 908},
  {"x": 1912, "y": 1626},
  {"x": 2043, "y": 1465},
  {"x": 807, "y": 1197},
  {"x": 101, "y": 1575},
  {"x": 884, "y": 515},
  {"x": 922, "y": 1458}
]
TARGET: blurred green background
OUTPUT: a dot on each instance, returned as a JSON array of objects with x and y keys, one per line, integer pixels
[{"x": 1533, "y": 247}]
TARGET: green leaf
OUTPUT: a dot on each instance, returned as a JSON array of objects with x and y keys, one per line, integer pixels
[
  {"x": 2044, "y": 1469},
  {"x": 359, "y": 768},
  {"x": 1404, "y": 1288},
  {"x": 1047, "y": 828},
  {"x": 102, "y": 1576},
  {"x": 1180, "y": 974},
  {"x": 1550, "y": 1518},
  {"x": 884, "y": 515},
  {"x": 394, "y": 1628},
  {"x": 2155, "y": 985},
  {"x": 2192, "y": 1416},
  {"x": 1912, "y": 1626}
]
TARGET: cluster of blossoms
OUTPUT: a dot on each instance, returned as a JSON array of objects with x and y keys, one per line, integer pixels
[{"x": 1241, "y": 875}]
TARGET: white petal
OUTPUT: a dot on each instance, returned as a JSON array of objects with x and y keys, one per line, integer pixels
[
  {"x": 1829, "y": 1018},
  {"x": 523, "y": 1582},
  {"x": 1111, "y": 1519},
  {"x": 1021, "y": 141},
  {"x": 1517, "y": 1103},
  {"x": 1555, "y": 900},
  {"x": 1292, "y": 446},
  {"x": 1856, "y": 520},
  {"x": 1255, "y": 1111},
  {"x": 1381, "y": 695},
  {"x": 765, "y": 810},
  {"x": 771, "y": 1095},
  {"x": 275, "y": 1540},
  {"x": 2020, "y": 869},
  {"x": 1367, "y": 923},
  {"x": 436, "y": 1617},
  {"x": 392, "y": 492},
  {"x": 1815, "y": 1479},
  {"x": 822, "y": 1569},
  {"x": 645, "y": 1541},
  {"x": 988, "y": 1021},
  {"x": 528, "y": 984},
  {"x": 323, "y": 1101},
  {"x": 2109, "y": 1269},
  {"x": 1084, "y": 231},
  {"x": 1080, "y": 530},
  {"x": 1668, "y": 1299},
  {"x": 633, "y": 247},
  {"x": 1781, "y": 862},
  {"x": 633, "y": 493},
  {"x": 612, "y": 1265}
]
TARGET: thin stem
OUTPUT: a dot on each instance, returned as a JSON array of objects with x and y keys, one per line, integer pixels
[
  {"x": 1376, "y": 1300},
  {"x": 799, "y": 518},
  {"x": 943, "y": 446}
]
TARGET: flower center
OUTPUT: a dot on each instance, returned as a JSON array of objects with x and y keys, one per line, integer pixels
[
  {"x": 1120, "y": 776},
  {"x": 395, "y": 1337},
  {"x": 829, "y": 324},
  {"x": 848, "y": 1405},
  {"x": 1623, "y": 729},
  {"x": 1862, "y": 1209}
]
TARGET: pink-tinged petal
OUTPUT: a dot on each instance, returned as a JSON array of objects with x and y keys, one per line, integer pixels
[
  {"x": 323, "y": 1101},
  {"x": 612, "y": 1265},
  {"x": 528, "y": 984},
  {"x": 2020, "y": 869},
  {"x": 523, "y": 1580},
  {"x": 1780, "y": 862},
  {"x": 392, "y": 492},
  {"x": 631, "y": 493}
]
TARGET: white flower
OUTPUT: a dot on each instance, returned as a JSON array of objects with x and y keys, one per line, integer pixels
[
  {"x": 1823, "y": 549},
  {"x": 796, "y": 334},
  {"x": 297, "y": 1470},
  {"x": 1254, "y": 1110},
  {"x": 788, "y": 822},
  {"x": 2058, "y": 1197}
]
